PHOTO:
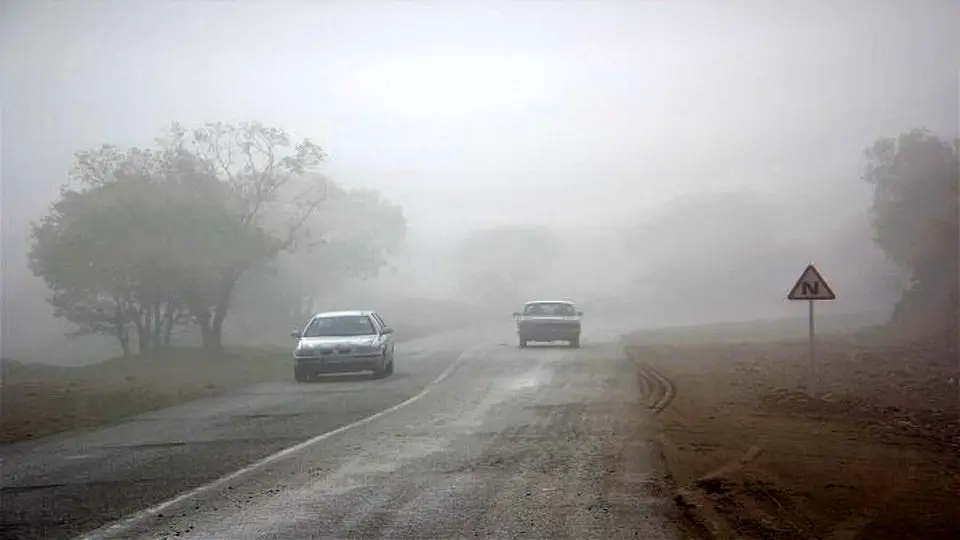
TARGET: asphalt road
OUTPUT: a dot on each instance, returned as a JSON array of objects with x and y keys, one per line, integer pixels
[{"x": 471, "y": 437}]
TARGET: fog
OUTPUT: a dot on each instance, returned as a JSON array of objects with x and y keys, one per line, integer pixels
[{"x": 689, "y": 159}]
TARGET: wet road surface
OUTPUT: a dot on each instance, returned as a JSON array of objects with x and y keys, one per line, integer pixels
[{"x": 472, "y": 437}]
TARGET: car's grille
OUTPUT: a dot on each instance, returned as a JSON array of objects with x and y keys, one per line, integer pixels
[
  {"x": 552, "y": 327},
  {"x": 327, "y": 353}
]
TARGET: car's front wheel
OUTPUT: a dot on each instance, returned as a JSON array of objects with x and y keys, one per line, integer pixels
[
  {"x": 523, "y": 343},
  {"x": 300, "y": 374},
  {"x": 575, "y": 342},
  {"x": 383, "y": 368}
]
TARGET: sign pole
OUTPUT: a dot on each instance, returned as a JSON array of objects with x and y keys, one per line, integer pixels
[
  {"x": 812, "y": 287},
  {"x": 814, "y": 379}
]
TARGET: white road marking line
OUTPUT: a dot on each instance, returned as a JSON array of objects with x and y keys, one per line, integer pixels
[{"x": 113, "y": 530}]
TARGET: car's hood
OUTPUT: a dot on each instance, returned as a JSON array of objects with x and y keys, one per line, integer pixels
[{"x": 338, "y": 341}]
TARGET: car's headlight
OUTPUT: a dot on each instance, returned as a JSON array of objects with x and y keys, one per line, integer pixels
[{"x": 370, "y": 349}]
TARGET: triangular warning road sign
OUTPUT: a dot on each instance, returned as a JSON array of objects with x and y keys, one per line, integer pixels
[{"x": 811, "y": 286}]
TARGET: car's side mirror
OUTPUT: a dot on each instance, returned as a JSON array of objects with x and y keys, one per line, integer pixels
[
  {"x": 295, "y": 334},
  {"x": 579, "y": 314},
  {"x": 387, "y": 330}
]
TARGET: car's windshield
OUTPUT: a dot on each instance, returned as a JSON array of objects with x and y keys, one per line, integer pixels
[
  {"x": 348, "y": 325},
  {"x": 549, "y": 309}
]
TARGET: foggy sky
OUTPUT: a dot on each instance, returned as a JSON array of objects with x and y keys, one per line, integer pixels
[
  {"x": 487, "y": 107},
  {"x": 467, "y": 114}
]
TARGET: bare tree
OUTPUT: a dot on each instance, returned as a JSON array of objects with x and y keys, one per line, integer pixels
[{"x": 266, "y": 201}]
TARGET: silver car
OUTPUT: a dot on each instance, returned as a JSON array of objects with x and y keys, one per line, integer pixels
[
  {"x": 343, "y": 342},
  {"x": 549, "y": 320}
]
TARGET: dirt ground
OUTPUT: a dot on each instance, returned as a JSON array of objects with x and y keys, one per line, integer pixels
[
  {"x": 38, "y": 400},
  {"x": 751, "y": 455}
]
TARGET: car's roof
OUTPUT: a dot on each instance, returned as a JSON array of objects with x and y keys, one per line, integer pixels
[
  {"x": 549, "y": 302},
  {"x": 351, "y": 313}
]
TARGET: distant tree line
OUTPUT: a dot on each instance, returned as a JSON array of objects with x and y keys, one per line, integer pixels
[
  {"x": 503, "y": 266},
  {"x": 718, "y": 251},
  {"x": 143, "y": 240}
]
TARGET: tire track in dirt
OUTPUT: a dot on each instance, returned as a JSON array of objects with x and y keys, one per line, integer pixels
[
  {"x": 698, "y": 500},
  {"x": 654, "y": 384},
  {"x": 692, "y": 499},
  {"x": 667, "y": 390},
  {"x": 694, "y": 507}
]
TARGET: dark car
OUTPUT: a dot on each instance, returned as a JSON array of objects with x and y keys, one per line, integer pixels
[
  {"x": 343, "y": 342},
  {"x": 549, "y": 320}
]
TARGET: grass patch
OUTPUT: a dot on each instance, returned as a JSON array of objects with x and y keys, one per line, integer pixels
[{"x": 39, "y": 400}]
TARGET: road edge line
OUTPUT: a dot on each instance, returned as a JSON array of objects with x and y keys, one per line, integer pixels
[{"x": 110, "y": 530}]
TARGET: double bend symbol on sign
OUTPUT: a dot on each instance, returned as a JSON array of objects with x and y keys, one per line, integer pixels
[{"x": 811, "y": 286}]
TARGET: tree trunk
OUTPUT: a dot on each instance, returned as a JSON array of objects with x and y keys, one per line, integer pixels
[
  {"x": 211, "y": 320},
  {"x": 216, "y": 334},
  {"x": 120, "y": 330},
  {"x": 220, "y": 315},
  {"x": 169, "y": 319},
  {"x": 204, "y": 320},
  {"x": 142, "y": 324},
  {"x": 125, "y": 345},
  {"x": 157, "y": 327},
  {"x": 168, "y": 335}
]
